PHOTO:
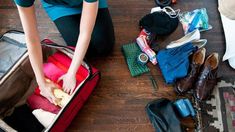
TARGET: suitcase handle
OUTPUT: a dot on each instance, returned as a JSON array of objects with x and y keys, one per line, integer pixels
[{"x": 67, "y": 50}]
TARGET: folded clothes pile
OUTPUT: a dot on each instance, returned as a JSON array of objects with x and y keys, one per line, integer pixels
[{"x": 43, "y": 109}]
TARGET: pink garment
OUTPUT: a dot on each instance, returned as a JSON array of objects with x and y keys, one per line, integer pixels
[
  {"x": 52, "y": 72},
  {"x": 58, "y": 64},
  {"x": 39, "y": 102}
]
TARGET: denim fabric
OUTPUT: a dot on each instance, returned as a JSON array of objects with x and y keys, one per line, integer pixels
[{"x": 174, "y": 62}]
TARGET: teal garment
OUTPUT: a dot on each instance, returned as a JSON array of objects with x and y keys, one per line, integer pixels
[{"x": 56, "y": 11}]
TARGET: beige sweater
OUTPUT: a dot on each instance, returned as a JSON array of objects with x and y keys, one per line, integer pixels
[{"x": 227, "y": 8}]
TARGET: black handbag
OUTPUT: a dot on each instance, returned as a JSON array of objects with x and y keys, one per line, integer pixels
[{"x": 162, "y": 116}]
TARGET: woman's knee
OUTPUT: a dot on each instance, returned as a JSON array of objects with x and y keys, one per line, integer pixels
[{"x": 102, "y": 43}]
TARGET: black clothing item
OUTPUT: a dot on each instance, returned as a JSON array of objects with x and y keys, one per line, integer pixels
[
  {"x": 102, "y": 38},
  {"x": 162, "y": 116},
  {"x": 23, "y": 120},
  {"x": 159, "y": 23}
]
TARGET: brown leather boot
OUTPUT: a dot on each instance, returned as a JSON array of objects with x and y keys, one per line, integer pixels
[
  {"x": 207, "y": 78},
  {"x": 186, "y": 83}
]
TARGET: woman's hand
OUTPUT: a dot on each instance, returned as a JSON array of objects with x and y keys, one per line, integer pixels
[
  {"x": 69, "y": 82},
  {"x": 47, "y": 91},
  {"x": 88, "y": 18},
  {"x": 28, "y": 20}
]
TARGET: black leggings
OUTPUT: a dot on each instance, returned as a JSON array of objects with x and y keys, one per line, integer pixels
[{"x": 102, "y": 38}]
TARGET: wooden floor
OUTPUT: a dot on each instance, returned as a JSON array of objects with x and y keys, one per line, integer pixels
[{"x": 117, "y": 104}]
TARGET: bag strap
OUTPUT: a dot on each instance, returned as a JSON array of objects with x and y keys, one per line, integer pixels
[{"x": 69, "y": 51}]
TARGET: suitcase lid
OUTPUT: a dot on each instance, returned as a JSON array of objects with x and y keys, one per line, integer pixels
[{"x": 13, "y": 51}]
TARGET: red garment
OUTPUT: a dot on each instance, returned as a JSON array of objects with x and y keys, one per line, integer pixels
[
  {"x": 52, "y": 72},
  {"x": 58, "y": 64},
  {"x": 38, "y": 102},
  {"x": 63, "y": 62}
]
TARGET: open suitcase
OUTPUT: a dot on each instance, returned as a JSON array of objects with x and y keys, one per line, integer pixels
[{"x": 17, "y": 81}]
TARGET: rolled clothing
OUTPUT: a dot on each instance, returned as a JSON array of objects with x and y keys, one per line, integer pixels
[
  {"x": 39, "y": 102},
  {"x": 44, "y": 117}
]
